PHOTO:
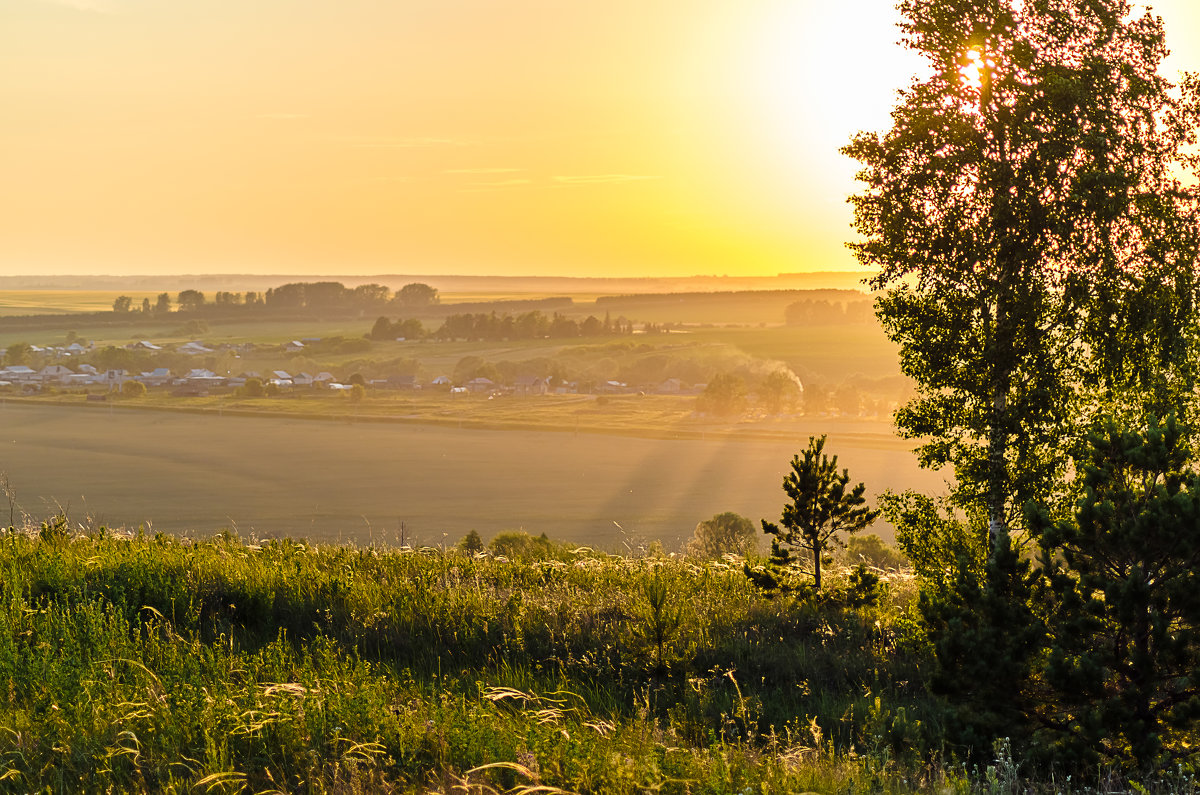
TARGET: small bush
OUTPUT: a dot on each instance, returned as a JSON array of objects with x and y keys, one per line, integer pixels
[
  {"x": 521, "y": 546},
  {"x": 253, "y": 388},
  {"x": 133, "y": 389},
  {"x": 725, "y": 532},
  {"x": 470, "y": 543}
]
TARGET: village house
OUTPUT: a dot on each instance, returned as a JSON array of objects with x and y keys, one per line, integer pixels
[
  {"x": 18, "y": 372},
  {"x": 531, "y": 385},
  {"x": 54, "y": 374},
  {"x": 193, "y": 348},
  {"x": 159, "y": 376}
]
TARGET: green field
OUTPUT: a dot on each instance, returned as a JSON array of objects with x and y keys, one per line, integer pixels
[{"x": 48, "y": 302}]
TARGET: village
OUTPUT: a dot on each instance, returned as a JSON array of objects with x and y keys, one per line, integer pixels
[{"x": 58, "y": 370}]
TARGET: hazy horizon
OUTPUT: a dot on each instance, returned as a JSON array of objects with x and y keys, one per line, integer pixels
[{"x": 468, "y": 137}]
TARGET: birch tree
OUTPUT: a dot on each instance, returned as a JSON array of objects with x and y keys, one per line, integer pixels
[{"x": 1034, "y": 226}]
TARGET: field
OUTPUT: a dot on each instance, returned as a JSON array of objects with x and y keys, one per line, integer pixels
[
  {"x": 612, "y": 472},
  {"x": 43, "y": 302},
  {"x": 151, "y": 665},
  {"x": 359, "y": 481}
]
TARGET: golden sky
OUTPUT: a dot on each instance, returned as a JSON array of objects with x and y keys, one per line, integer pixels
[{"x": 520, "y": 137}]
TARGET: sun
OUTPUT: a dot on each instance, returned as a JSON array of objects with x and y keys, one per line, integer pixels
[
  {"x": 972, "y": 70},
  {"x": 975, "y": 69}
]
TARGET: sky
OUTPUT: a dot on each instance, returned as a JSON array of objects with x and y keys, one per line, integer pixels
[{"x": 512, "y": 137}]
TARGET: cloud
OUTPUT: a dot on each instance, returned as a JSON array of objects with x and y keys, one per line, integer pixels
[
  {"x": 483, "y": 170},
  {"x": 602, "y": 179}
]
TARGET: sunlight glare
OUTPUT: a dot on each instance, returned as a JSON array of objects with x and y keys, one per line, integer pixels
[{"x": 972, "y": 70}]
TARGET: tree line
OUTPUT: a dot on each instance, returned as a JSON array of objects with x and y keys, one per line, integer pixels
[
  {"x": 312, "y": 296},
  {"x": 493, "y": 326}
]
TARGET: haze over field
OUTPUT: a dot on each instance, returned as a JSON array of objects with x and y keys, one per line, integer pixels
[
  {"x": 426, "y": 136},
  {"x": 345, "y": 481}
]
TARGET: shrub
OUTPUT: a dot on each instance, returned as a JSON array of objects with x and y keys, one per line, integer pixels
[
  {"x": 470, "y": 543},
  {"x": 724, "y": 532},
  {"x": 724, "y": 395},
  {"x": 521, "y": 546},
  {"x": 133, "y": 389},
  {"x": 253, "y": 388}
]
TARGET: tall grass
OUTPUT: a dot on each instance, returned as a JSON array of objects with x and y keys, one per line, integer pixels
[{"x": 148, "y": 663}]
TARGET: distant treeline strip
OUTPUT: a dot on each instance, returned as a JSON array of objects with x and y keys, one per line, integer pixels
[
  {"x": 493, "y": 327},
  {"x": 819, "y": 312},
  {"x": 842, "y": 296}
]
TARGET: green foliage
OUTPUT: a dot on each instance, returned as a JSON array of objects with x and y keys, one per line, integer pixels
[
  {"x": 189, "y": 300},
  {"x": 133, "y": 389},
  {"x": 1036, "y": 247},
  {"x": 193, "y": 328},
  {"x": 779, "y": 391},
  {"x": 471, "y": 543},
  {"x": 151, "y": 664},
  {"x": 985, "y": 636},
  {"x": 724, "y": 532},
  {"x": 148, "y": 663},
  {"x": 871, "y": 550},
  {"x": 385, "y": 329},
  {"x": 521, "y": 546},
  {"x": 660, "y": 615},
  {"x": 820, "y": 509},
  {"x": 253, "y": 388},
  {"x": 940, "y": 545},
  {"x": 1123, "y": 603},
  {"x": 417, "y": 295},
  {"x": 976, "y": 615},
  {"x": 472, "y": 366},
  {"x": 17, "y": 353},
  {"x": 724, "y": 395},
  {"x": 357, "y": 393}
]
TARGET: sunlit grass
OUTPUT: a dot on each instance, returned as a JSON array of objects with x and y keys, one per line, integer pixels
[{"x": 148, "y": 663}]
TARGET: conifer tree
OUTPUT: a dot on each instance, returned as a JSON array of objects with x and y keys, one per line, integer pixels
[
  {"x": 820, "y": 508},
  {"x": 1123, "y": 602}
]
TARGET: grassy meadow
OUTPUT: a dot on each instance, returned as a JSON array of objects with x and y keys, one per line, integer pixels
[{"x": 149, "y": 664}]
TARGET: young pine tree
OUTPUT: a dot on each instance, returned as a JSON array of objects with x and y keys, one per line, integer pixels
[{"x": 822, "y": 507}]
